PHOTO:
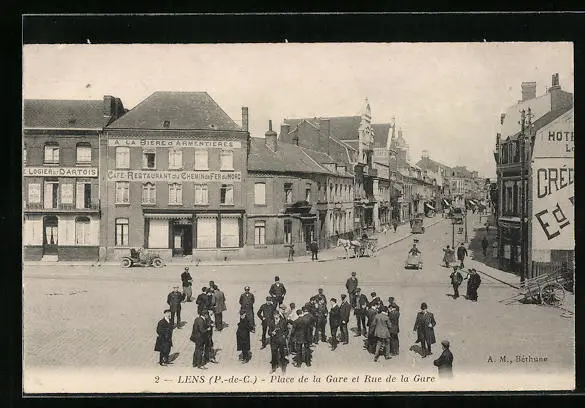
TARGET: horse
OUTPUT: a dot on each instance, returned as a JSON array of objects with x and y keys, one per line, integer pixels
[{"x": 347, "y": 245}]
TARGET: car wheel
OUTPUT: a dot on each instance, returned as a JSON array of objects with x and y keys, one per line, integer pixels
[
  {"x": 126, "y": 263},
  {"x": 157, "y": 262}
]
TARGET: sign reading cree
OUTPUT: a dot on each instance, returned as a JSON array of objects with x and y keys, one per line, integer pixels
[
  {"x": 144, "y": 175},
  {"x": 205, "y": 144},
  {"x": 60, "y": 171}
]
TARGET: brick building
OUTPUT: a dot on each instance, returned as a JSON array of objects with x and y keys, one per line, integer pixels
[
  {"x": 61, "y": 201},
  {"x": 173, "y": 177}
]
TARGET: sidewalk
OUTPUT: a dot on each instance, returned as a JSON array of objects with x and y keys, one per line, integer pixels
[{"x": 332, "y": 254}]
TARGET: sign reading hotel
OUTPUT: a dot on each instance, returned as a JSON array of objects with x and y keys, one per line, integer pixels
[
  {"x": 145, "y": 175},
  {"x": 60, "y": 171},
  {"x": 553, "y": 190},
  {"x": 201, "y": 144}
]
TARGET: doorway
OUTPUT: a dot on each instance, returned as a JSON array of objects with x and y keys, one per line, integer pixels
[
  {"x": 309, "y": 234},
  {"x": 182, "y": 238},
  {"x": 50, "y": 235}
]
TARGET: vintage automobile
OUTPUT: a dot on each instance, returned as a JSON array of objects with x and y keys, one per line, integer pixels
[
  {"x": 457, "y": 215},
  {"x": 413, "y": 261},
  {"x": 139, "y": 257},
  {"x": 417, "y": 226}
]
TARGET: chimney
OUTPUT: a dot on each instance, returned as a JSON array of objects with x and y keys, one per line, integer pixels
[
  {"x": 324, "y": 135},
  {"x": 245, "y": 118},
  {"x": 425, "y": 154},
  {"x": 502, "y": 117},
  {"x": 528, "y": 90},
  {"x": 555, "y": 82},
  {"x": 109, "y": 102},
  {"x": 284, "y": 130},
  {"x": 270, "y": 138}
]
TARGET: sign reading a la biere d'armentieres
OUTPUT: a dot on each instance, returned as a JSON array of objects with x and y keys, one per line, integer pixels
[{"x": 553, "y": 179}]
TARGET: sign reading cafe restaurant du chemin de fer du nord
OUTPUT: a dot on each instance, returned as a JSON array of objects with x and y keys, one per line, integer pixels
[{"x": 553, "y": 188}]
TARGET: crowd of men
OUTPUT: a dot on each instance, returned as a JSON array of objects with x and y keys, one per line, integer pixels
[{"x": 291, "y": 331}]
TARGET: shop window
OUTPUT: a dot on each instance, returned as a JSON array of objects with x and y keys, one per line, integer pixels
[
  {"x": 121, "y": 238},
  {"x": 226, "y": 160},
  {"x": 200, "y": 194},
  {"x": 287, "y": 231},
  {"x": 51, "y": 153},
  {"x": 230, "y": 232},
  {"x": 67, "y": 193},
  {"x": 83, "y": 153},
  {"x": 149, "y": 193},
  {"x": 149, "y": 159},
  {"x": 51, "y": 194},
  {"x": 83, "y": 195},
  {"x": 288, "y": 193},
  {"x": 158, "y": 234},
  {"x": 34, "y": 193},
  {"x": 82, "y": 231},
  {"x": 175, "y": 194},
  {"x": 206, "y": 233},
  {"x": 308, "y": 193},
  {"x": 260, "y": 193},
  {"x": 226, "y": 194},
  {"x": 122, "y": 192},
  {"x": 260, "y": 233},
  {"x": 175, "y": 159},
  {"x": 122, "y": 157},
  {"x": 201, "y": 160}
]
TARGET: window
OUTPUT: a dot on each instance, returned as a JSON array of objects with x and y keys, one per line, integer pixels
[
  {"x": 149, "y": 159},
  {"x": 51, "y": 194},
  {"x": 206, "y": 233},
  {"x": 201, "y": 160},
  {"x": 83, "y": 153},
  {"x": 122, "y": 192},
  {"x": 336, "y": 193},
  {"x": 287, "y": 231},
  {"x": 308, "y": 193},
  {"x": 319, "y": 192},
  {"x": 122, "y": 157},
  {"x": 34, "y": 193},
  {"x": 331, "y": 192},
  {"x": 260, "y": 233},
  {"x": 175, "y": 194},
  {"x": 67, "y": 193},
  {"x": 226, "y": 160},
  {"x": 24, "y": 155},
  {"x": 149, "y": 193},
  {"x": 175, "y": 159},
  {"x": 83, "y": 195},
  {"x": 260, "y": 194},
  {"x": 158, "y": 233},
  {"x": 201, "y": 194},
  {"x": 52, "y": 153},
  {"x": 509, "y": 199},
  {"x": 121, "y": 232},
  {"x": 82, "y": 231},
  {"x": 230, "y": 232},
  {"x": 226, "y": 194},
  {"x": 288, "y": 193}
]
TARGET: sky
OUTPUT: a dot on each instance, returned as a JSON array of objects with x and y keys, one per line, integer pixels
[{"x": 446, "y": 97}]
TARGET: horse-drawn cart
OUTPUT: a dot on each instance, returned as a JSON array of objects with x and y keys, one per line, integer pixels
[
  {"x": 368, "y": 247},
  {"x": 547, "y": 289}
]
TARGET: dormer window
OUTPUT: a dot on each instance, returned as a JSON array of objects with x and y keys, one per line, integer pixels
[{"x": 167, "y": 124}]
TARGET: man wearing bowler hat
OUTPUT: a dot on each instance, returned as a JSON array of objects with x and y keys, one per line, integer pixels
[
  {"x": 266, "y": 314},
  {"x": 174, "y": 300},
  {"x": 247, "y": 305}
]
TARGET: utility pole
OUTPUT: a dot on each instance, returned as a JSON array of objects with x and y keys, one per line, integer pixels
[{"x": 525, "y": 135}]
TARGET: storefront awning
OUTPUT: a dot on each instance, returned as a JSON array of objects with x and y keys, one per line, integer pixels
[
  {"x": 429, "y": 206},
  {"x": 446, "y": 203},
  {"x": 168, "y": 216},
  {"x": 472, "y": 202}
]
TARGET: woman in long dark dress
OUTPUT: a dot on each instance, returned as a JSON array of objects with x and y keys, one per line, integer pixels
[{"x": 243, "y": 337}]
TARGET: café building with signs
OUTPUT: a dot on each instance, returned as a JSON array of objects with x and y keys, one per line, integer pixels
[
  {"x": 61, "y": 205},
  {"x": 173, "y": 172}
]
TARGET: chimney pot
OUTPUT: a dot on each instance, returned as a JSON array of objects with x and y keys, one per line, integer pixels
[
  {"x": 270, "y": 138},
  {"x": 245, "y": 118}
]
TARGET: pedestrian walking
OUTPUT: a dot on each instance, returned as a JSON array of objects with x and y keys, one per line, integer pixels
[
  {"x": 424, "y": 328},
  {"x": 291, "y": 252},
  {"x": 382, "y": 333},
  {"x": 277, "y": 291},
  {"x": 345, "y": 310},
  {"x": 202, "y": 301},
  {"x": 174, "y": 300},
  {"x": 247, "y": 304},
  {"x": 485, "y": 245},
  {"x": 187, "y": 285},
  {"x": 361, "y": 304},
  {"x": 334, "y": 322},
  {"x": 164, "y": 338},
  {"x": 456, "y": 279},
  {"x": 394, "y": 317},
  {"x": 278, "y": 329},
  {"x": 198, "y": 334},
  {"x": 448, "y": 257},
  {"x": 265, "y": 314},
  {"x": 243, "y": 336},
  {"x": 219, "y": 307},
  {"x": 351, "y": 285},
  {"x": 494, "y": 249},
  {"x": 314, "y": 250},
  {"x": 445, "y": 361},
  {"x": 395, "y": 224},
  {"x": 473, "y": 282},
  {"x": 461, "y": 254}
]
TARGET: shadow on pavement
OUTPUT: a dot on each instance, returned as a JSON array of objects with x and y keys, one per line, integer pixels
[
  {"x": 173, "y": 357},
  {"x": 417, "y": 349}
]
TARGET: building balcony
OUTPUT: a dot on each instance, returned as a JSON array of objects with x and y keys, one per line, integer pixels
[
  {"x": 61, "y": 208},
  {"x": 300, "y": 207}
]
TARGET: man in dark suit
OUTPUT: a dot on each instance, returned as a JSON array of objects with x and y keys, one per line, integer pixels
[
  {"x": 164, "y": 338},
  {"x": 376, "y": 301},
  {"x": 208, "y": 352},
  {"x": 198, "y": 334},
  {"x": 456, "y": 279},
  {"x": 321, "y": 321},
  {"x": 461, "y": 254},
  {"x": 445, "y": 362},
  {"x": 247, "y": 304},
  {"x": 319, "y": 296},
  {"x": 361, "y": 304},
  {"x": 394, "y": 317},
  {"x": 371, "y": 313},
  {"x": 345, "y": 310},
  {"x": 218, "y": 307},
  {"x": 424, "y": 327},
  {"x": 382, "y": 333},
  {"x": 334, "y": 322},
  {"x": 299, "y": 337},
  {"x": 277, "y": 291},
  {"x": 174, "y": 300},
  {"x": 187, "y": 283},
  {"x": 351, "y": 285},
  {"x": 266, "y": 314},
  {"x": 202, "y": 301},
  {"x": 278, "y": 330},
  {"x": 243, "y": 337}
]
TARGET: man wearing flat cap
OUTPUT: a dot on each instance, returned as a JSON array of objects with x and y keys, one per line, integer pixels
[
  {"x": 351, "y": 285},
  {"x": 164, "y": 338},
  {"x": 445, "y": 362},
  {"x": 187, "y": 284},
  {"x": 247, "y": 305},
  {"x": 266, "y": 314},
  {"x": 174, "y": 300}
]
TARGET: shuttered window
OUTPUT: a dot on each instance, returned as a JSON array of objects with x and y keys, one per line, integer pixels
[
  {"x": 230, "y": 233},
  {"x": 206, "y": 233}
]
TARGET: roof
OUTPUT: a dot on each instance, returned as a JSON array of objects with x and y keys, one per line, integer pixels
[
  {"x": 323, "y": 158},
  {"x": 286, "y": 158},
  {"x": 381, "y": 134},
  {"x": 544, "y": 120},
  {"x": 64, "y": 114},
  {"x": 341, "y": 127},
  {"x": 183, "y": 110},
  {"x": 429, "y": 164}
]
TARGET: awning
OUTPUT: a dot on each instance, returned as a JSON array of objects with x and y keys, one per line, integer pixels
[
  {"x": 429, "y": 206},
  {"x": 168, "y": 216},
  {"x": 446, "y": 203},
  {"x": 231, "y": 215},
  {"x": 472, "y": 202}
]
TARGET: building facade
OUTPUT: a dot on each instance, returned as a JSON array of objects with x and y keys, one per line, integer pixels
[
  {"x": 61, "y": 198},
  {"x": 173, "y": 174}
]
